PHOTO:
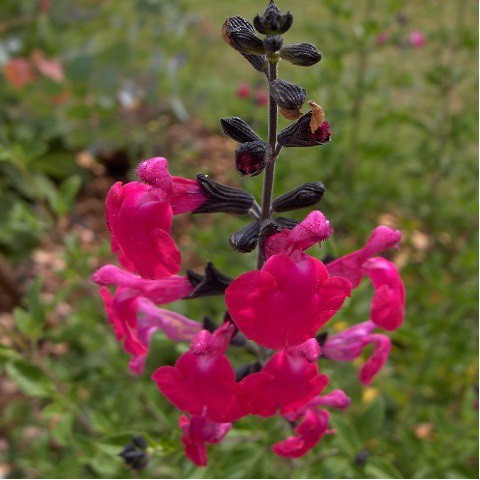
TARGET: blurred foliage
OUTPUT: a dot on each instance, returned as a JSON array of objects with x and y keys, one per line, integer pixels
[{"x": 404, "y": 152}]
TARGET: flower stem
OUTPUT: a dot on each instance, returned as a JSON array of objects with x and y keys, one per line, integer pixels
[{"x": 270, "y": 168}]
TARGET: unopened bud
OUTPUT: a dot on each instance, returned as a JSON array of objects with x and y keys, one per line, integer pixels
[
  {"x": 273, "y": 21},
  {"x": 251, "y": 157},
  {"x": 303, "y": 196},
  {"x": 302, "y": 54},
  {"x": 240, "y": 35},
  {"x": 259, "y": 62},
  {"x": 213, "y": 282},
  {"x": 246, "y": 239},
  {"x": 222, "y": 198},
  {"x": 289, "y": 97},
  {"x": 273, "y": 43},
  {"x": 239, "y": 130},
  {"x": 288, "y": 223},
  {"x": 299, "y": 134}
]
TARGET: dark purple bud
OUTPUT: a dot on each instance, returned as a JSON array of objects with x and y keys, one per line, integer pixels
[
  {"x": 361, "y": 458},
  {"x": 213, "y": 282},
  {"x": 273, "y": 43},
  {"x": 299, "y": 134},
  {"x": 303, "y": 196},
  {"x": 273, "y": 21},
  {"x": 321, "y": 338},
  {"x": 302, "y": 54},
  {"x": 245, "y": 239},
  {"x": 134, "y": 453},
  {"x": 251, "y": 157},
  {"x": 222, "y": 198},
  {"x": 287, "y": 95},
  {"x": 140, "y": 442},
  {"x": 288, "y": 223},
  {"x": 208, "y": 324},
  {"x": 240, "y": 35},
  {"x": 239, "y": 130}
]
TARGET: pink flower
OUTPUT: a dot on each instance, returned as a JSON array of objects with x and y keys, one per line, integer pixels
[
  {"x": 314, "y": 424},
  {"x": 164, "y": 290},
  {"x": 49, "y": 67},
  {"x": 309, "y": 433},
  {"x": 388, "y": 305},
  {"x": 135, "y": 320},
  {"x": 261, "y": 98},
  {"x": 198, "y": 430},
  {"x": 139, "y": 217},
  {"x": 287, "y": 381},
  {"x": 348, "y": 345},
  {"x": 202, "y": 382},
  {"x": 264, "y": 304},
  {"x": 243, "y": 90},
  {"x": 417, "y": 39}
]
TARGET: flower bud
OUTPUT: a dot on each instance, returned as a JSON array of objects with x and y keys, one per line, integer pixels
[
  {"x": 239, "y": 130},
  {"x": 134, "y": 453},
  {"x": 289, "y": 97},
  {"x": 288, "y": 223},
  {"x": 212, "y": 283},
  {"x": 299, "y": 134},
  {"x": 303, "y": 196},
  {"x": 273, "y": 43},
  {"x": 273, "y": 21},
  {"x": 251, "y": 157},
  {"x": 222, "y": 198},
  {"x": 302, "y": 54},
  {"x": 240, "y": 35},
  {"x": 245, "y": 239},
  {"x": 258, "y": 62}
]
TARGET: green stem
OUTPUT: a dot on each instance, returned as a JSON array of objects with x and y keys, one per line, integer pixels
[{"x": 268, "y": 179}]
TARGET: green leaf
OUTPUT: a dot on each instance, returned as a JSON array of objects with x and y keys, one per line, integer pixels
[{"x": 30, "y": 379}]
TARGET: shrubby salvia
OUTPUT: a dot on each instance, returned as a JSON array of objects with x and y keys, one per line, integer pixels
[{"x": 279, "y": 310}]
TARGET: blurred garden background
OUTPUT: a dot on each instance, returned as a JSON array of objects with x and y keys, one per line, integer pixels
[{"x": 89, "y": 88}]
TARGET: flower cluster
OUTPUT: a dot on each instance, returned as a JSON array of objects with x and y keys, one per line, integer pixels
[{"x": 278, "y": 310}]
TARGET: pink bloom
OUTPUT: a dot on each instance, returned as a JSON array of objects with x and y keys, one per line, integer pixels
[
  {"x": 136, "y": 319},
  {"x": 139, "y": 217},
  {"x": 388, "y": 305},
  {"x": 348, "y": 345},
  {"x": 198, "y": 430},
  {"x": 264, "y": 304},
  {"x": 243, "y": 90},
  {"x": 164, "y": 290},
  {"x": 202, "y": 382},
  {"x": 417, "y": 39},
  {"x": 49, "y": 67},
  {"x": 382, "y": 38},
  {"x": 309, "y": 433},
  {"x": 261, "y": 98},
  {"x": 287, "y": 381}
]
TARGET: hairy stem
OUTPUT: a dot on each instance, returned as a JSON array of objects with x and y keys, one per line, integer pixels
[{"x": 270, "y": 168}]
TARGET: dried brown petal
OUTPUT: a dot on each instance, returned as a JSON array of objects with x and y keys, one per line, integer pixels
[{"x": 318, "y": 116}]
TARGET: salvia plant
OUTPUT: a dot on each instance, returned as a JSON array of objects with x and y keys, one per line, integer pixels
[{"x": 275, "y": 311}]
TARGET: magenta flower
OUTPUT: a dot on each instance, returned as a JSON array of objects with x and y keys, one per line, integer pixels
[
  {"x": 202, "y": 382},
  {"x": 417, "y": 39},
  {"x": 136, "y": 319},
  {"x": 164, "y": 290},
  {"x": 309, "y": 432},
  {"x": 139, "y": 217},
  {"x": 313, "y": 426},
  {"x": 264, "y": 304},
  {"x": 348, "y": 345},
  {"x": 287, "y": 381},
  {"x": 388, "y": 304},
  {"x": 197, "y": 431}
]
